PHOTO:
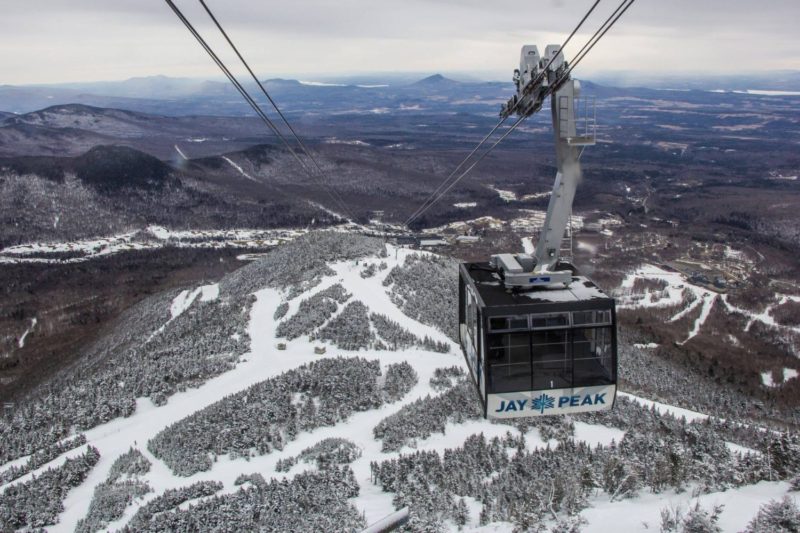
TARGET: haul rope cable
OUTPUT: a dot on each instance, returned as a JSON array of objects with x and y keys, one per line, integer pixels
[
  {"x": 576, "y": 59},
  {"x": 483, "y": 155},
  {"x": 607, "y": 24},
  {"x": 536, "y": 80},
  {"x": 271, "y": 101},
  {"x": 243, "y": 92}
]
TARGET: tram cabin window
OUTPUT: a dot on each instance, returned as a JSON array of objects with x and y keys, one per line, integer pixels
[
  {"x": 593, "y": 362},
  {"x": 508, "y": 323},
  {"x": 551, "y": 320},
  {"x": 550, "y": 351},
  {"x": 552, "y": 368},
  {"x": 509, "y": 358},
  {"x": 591, "y": 317}
]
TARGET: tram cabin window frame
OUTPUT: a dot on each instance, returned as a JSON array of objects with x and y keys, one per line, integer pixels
[{"x": 565, "y": 335}]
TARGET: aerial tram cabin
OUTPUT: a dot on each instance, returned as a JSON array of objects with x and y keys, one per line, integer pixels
[
  {"x": 537, "y": 352},
  {"x": 538, "y": 337}
]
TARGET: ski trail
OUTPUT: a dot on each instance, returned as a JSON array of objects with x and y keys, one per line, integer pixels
[
  {"x": 765, "y": 317},
  {"x": 180, "y": 153},
  {"x": 708, "y": 304},
  {"x": 240, "y": 169},
  {"x": 691, "y": 307},
  {"x": 329, "y": 211},
  {"x": 21, "y": 342},
  {"x": 261, "y": 362}
]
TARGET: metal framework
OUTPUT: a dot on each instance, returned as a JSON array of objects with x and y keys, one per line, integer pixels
[{"x": 537, "y": 78}]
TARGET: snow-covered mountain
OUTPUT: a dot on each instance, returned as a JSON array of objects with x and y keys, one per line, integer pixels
[{"x": 212, "y": 408}]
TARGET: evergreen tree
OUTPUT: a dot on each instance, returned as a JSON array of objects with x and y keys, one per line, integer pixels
[
  {"x": 461, "y": 514},
  {"x": 699, "y": 520},
  {"x": 776, "y": 517}
]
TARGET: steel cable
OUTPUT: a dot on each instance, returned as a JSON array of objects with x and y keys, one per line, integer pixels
[{"x": 274, "y": 104}]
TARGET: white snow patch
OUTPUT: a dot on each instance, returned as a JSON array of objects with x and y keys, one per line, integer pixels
[
  {"x": 597, "y": 434},
  {"x": 184, "y": 300},
  {"x": 320, "y": 84},
  {"x": 180, "y": 153},
  {"x": 527, "y": 245},
  {"x": 143, "y": 240},
  {"x": 677, "y": 412},
  {"x": 21, "y": 342},
  {"x": 708, "y": 304},
  {"x": 760, "y": 92},
  {"x": 353, "y": 142},
  {"x": 239, "y": 169},
  {"x": 740, "y": 505},
  {"x": 787, "y": 374},
  {"x": 533, "y": 219},
  {"x": 508, "y": 196},
  {"x": 209, "y": 292},
  {"x": 738, "y": 448},
  {"x": 536, "y": 195}
]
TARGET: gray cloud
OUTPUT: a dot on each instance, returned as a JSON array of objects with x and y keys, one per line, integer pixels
[{"x": 60, "y": 40}]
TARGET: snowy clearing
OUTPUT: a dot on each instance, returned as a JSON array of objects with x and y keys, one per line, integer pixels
[
  {"x": 671, "y": 295},
  {"x": 644, "y": 513},
  {"x": 787, "y": 374},
  {"x": 150, "y": 238}
]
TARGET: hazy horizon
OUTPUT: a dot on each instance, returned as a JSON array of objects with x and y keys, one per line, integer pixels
[
  {"x": 626, "y": 77},
  {"x": 57, "y": 41}
]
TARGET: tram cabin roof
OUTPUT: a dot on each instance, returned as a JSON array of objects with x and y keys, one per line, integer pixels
[{"x": 581, "y": 294}]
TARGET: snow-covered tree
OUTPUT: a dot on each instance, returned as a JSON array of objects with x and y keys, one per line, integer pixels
[{"x": 777, "y": 516}]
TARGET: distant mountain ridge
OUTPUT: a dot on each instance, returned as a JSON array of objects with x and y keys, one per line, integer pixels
[
  {"x": 436, "y": 79},
  {"x": 117, "y": 122},
  {"x": 177, "y": 96}
]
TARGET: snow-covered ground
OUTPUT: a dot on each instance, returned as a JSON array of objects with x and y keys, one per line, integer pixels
[
  {"x": 644, "y": 513},
  {"x": 786, "y": 375},
  {"x": 465, "y": 225},
  {"x": 671, "y": 295},
  {"x": 531, "y": 220},
  {"x": 150, "y": 238},
  {"x": 264, "y": 361}
]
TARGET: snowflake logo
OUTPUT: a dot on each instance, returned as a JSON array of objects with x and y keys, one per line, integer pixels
[{"x": 543, "y": 402}]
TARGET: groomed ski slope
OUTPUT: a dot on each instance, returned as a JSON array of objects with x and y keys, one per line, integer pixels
[{"x": 264, "y": 361}]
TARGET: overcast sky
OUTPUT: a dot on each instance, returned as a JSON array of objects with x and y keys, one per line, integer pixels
[{"x": 47, "y": 41}]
